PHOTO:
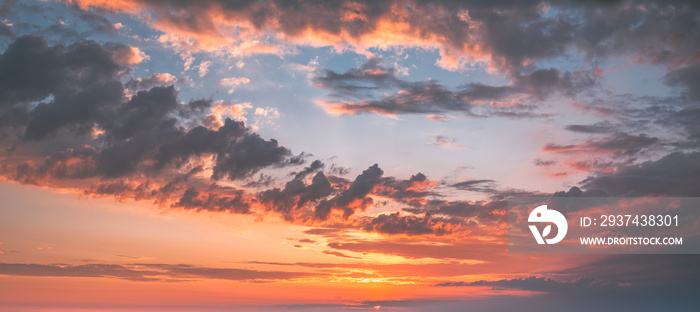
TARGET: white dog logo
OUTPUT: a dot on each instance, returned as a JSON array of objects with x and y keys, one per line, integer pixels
[{"x": 542, "y": 214}]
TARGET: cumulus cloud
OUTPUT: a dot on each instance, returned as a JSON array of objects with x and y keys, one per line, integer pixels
[
  {"x": 158, "y": 79},
  {"x": 296, "y": 194},
  {"x": 126, "y": 55},
  {"x": 354, "y": 198},
  {"x": 70, "y": 100}
]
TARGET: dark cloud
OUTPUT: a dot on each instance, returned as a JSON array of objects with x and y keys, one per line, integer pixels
[
  {"x": 490, "y": 188},
  {"x": 366, "y": 89},
  {"x": 543, "y": 163},
  {"x": 315, "y": 165},
  {"x": 6, "y": 30},
  {"x": 338, "y": 170},
  {"x": 296, "y": 194},
  {"x": 247, "y": 154},
  {"x": 686, "y": 78},
  {"x": 534, "y": 283},
  {"x": 153, "y": 80},
  {"x": 413, "y": 191},
  {"x": 544, "y": 82},
  {"x": 572, "y": 192},
  {"x": 657, "y": 32},
  {"x": 475, "y": 185},
  {"x": 676, "y": 174},
  {"x": 82, "y": 79},
  {"x": 519, "y": 33},
  {"x": 212, "y": 202},
  {"x": 72, "y": 163},
  {"x": 262, "y": 181},
  {"x": 64, "y": 112},
  {"x": 98, "y": 22},
  {"x": 619, "y": 144},
  {"x": 6, "y": 7},
  {"x": 676, "y": 271},
  {"x": 598, "y": 127},
  {"x": 480, "y": 211},
  {"x": 513, "y": 35},
  {"x": 357, "y": 81},
  {"x": 687, "y": 119},
  {"x": 354, "y": 198},
  {"x": 395, "y": 223},
  {"x": 239, "y": 152}
]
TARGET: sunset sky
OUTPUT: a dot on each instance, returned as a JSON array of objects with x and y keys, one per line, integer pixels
[{"x": 172, "y": 155}]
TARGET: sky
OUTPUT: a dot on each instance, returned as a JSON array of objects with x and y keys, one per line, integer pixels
[{"x": 172, "y": 155}]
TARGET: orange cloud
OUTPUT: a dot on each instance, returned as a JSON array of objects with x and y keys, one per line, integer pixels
[
  {"x": 214, "y": 26},
  {"x": 128, "y": 56}
]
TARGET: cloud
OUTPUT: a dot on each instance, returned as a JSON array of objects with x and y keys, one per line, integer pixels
[
  {"x": 535, "y": 283},
  {"x": 296, "y": 194},
  {"x": 445, "y": 142},
  {"x": 212, "y": 201},
  {"x": 438, "y": 117},
  {"x": 325, "y": 232},
  {"x": 413, "y": 191},
  {"x": 82, "y": 79},
  {"x": 146, "y": 272},
  {"x": 686, "y": 77},
  {"x": 314, "y": 166},
  {"x": 233, "y": 82},
  {"x": 153, "y": 147},
  {"x": 475, "y": 185},
  {"x": 544, "y": 163},
  {"x": 374, "y": 88},
  {"x": 619, "y": 144},
  {"x": 508, "y": 35},
  {"x": 472, "y": 212},
  {"x": 338, "y": 254},
  {"x": 126, "y": 55},
  {"x": 153, "y": 80},
  {"x": 6, "y": 30},
  {"x": 395, "y": 223},
  {"x": 239, "y": 152},
  {"x": 598, "y": 127},
  {"x": 354, "y": 198},
  {"x": 418, "y": 250},
  {"x": 98, "y": 23},
  {"x": 203, "y": 69},
  {"x": 70, "y": 100},
  {"x": 675, "y": 174}
]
